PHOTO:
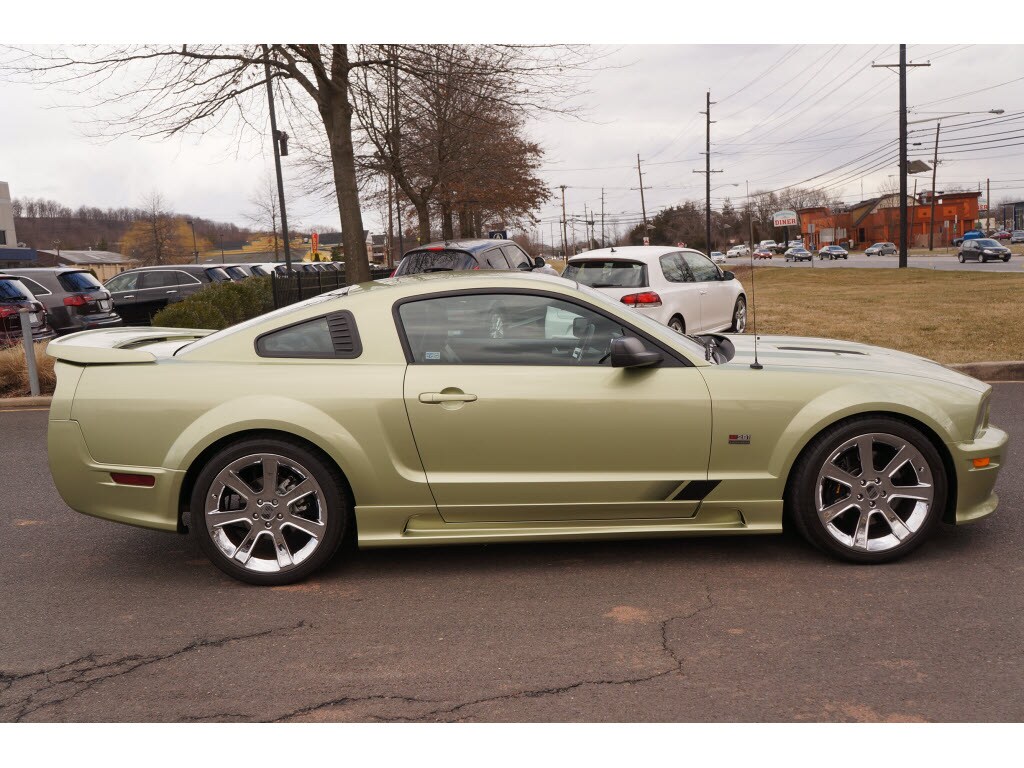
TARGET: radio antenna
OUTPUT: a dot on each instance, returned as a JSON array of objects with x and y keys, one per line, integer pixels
[{"x": 753, "y": 304}]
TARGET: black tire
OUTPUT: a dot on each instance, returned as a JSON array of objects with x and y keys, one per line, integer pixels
[
  {"x": 1006, "y": 259},
  {"x": 740, "y": 303},
  {"x": 983, "y": 259},
  {"x": 677, "y": 324},
  {"x": 801, "y": 492},
  {"x": 960, "y": 257},
  {"x": 339, "y": 508}
]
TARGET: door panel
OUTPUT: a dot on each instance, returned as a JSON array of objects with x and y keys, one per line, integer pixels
[{"x": 559, "y": 442}]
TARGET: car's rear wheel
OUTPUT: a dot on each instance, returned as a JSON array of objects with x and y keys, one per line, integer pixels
[
  {"x": 677, "y": 324},
  {"x": 269, "y": 511},
  {"x": 869, "y": 490},
  {"x": 739, "y": 316}
]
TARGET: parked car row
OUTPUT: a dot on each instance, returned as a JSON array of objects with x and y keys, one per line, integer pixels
[{"x": 15, "y": 297}]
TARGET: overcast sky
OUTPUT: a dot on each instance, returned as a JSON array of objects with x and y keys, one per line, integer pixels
[{"x": 784, "y": 114}]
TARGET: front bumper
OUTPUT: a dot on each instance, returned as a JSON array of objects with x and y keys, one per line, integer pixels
[
  {"x": 975, "y": 488},
  {"x": 86, "y": 485}
]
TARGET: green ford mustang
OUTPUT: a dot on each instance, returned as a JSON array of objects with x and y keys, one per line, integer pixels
[{"x": 486, "y": 407}]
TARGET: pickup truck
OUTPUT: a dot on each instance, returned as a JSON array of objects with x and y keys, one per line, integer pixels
[
  {"x": 971, "y": 234},
  {"x": 771, "y": 245}
]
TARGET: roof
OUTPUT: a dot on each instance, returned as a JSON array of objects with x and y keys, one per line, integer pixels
[
  {"x": 17, "y": 254},
  {"x": 630, "y": 252},
  {"x": 469, "y": 245},
  {"x": 88, "y": 257},
  {"x": 334, "y": 238}
]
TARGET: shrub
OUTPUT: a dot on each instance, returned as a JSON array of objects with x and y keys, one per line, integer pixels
[
  {"x": 14, "y": 371},
  {"x": 219, "y": 305}
]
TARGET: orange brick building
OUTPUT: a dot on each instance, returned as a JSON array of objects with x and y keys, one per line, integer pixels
[{"x": 878, "y": 220}]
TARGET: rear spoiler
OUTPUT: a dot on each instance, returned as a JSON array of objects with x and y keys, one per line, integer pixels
[{"x": 108, "y": 346}]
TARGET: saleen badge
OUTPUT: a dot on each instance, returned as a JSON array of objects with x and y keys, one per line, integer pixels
[{"x": 739, "y": 439}]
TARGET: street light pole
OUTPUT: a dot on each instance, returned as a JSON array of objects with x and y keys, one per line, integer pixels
[{"x": 935, "y": 168}]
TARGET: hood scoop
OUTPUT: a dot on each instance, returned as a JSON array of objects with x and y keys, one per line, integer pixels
[{"x": 820, "y": 349}]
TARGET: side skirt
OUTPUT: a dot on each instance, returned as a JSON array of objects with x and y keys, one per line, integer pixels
[{"x": 420, "y": 526}]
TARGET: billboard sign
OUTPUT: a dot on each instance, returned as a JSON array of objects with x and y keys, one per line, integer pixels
[
  {"x": 498, "y": 234},
  {"x": 785, "y": 219}
]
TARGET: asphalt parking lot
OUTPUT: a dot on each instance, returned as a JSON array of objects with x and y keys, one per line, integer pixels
[
  {"x": 860, "y": 261},
  {"x": 102, "y": 622}
]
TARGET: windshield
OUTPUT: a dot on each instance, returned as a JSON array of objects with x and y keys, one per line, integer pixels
[
  {"x": 987, "y": 243},
  {"x": 217, "y": 275},
  {"x": 13, "y": 290},
  {"x": 605, "y": 273},
  {"x": 78, "y": 281},
  {"x": 644, "y": 323}
]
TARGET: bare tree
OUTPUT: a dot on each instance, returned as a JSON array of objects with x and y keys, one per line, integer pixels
[
  {"x": 264, "y": 211},
  {"x": 157, "y": 237}
]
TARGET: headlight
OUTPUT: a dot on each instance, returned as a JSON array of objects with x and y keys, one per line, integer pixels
[{"x": 981, "y": 423}]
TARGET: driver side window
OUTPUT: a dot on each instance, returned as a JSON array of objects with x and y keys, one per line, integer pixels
[{"x": 506, "y": 329}]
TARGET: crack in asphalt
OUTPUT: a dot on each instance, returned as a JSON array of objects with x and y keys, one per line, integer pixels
[
  {"x": 80, "y": 678},
  {"x": 436, "y": 714}
]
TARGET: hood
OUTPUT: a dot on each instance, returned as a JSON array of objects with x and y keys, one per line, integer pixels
[{"x": 803, "y": 352}]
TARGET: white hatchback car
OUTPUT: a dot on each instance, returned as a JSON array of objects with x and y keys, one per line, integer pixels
[{"x": 678, "y": 287}]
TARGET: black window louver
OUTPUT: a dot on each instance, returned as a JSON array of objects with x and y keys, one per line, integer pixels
[{"x": 344, "y": 335}]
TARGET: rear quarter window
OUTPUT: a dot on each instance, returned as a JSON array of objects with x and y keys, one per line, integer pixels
[{"x": 331, "y": 336}]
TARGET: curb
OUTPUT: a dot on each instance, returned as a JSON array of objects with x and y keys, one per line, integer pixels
[
  {"x": 1005, "y": 370},
  {"x": 18, "y": 403}
]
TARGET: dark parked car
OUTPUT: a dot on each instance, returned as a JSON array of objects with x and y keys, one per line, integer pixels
[
  {"x": 833, "y": 252},
  {"x": 457, "y": 255},
  {"x": 140, "y": 293},
  {"x": 239, "y": 272},
  {"x": 982, "y": 249},
  {"x": 73, "y": 298},
  {"x": 882, "y": 249},
  {"x": 13, "y": 296}
]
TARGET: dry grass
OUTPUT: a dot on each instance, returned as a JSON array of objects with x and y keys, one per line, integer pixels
[
  {"x": 951, "y": 317},
  {"x": 14, "y": 371}
]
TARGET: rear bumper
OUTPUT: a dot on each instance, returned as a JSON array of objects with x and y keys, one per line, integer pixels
[
  {"x": 86, "y": 485},
  {"x": 975, "y": 497},
  {"x": 90, "y": 322}
]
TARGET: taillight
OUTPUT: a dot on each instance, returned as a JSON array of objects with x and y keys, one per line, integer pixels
[
  {"x": 8, "y": 311},
  {"x": 645, "y": 299},
  {"x": 435, "y": 248},
  {"x": 75, "y": 301}
]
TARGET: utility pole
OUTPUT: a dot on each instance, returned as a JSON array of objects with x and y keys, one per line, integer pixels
[
  {"x": 707, "y": 174},
  {"x": 643, "y": 206},
  {"x": 275, "y": 138},
  {"x": 565, "y": 236},
  {"x": 988, "y": 201},
  {"x": 902, "y": 68},
  {"x": 750, "y": 220},
  {"x": 935, "y": 168},
  {"x": 603, "y": 245},
  {"x": 585, "y": 231}
]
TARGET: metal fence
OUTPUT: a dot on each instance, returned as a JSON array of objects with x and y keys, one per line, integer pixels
[{"x": 292, "y": 288}]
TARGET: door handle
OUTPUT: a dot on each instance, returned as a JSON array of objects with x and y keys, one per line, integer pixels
[
  {"x": 172, "y": 291},
  {"x": 435, "y": 398},
  {"x": 129, "y": 297}
]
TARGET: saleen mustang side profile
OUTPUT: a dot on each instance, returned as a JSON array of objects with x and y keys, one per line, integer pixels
[{"x": 484, "y": 407}]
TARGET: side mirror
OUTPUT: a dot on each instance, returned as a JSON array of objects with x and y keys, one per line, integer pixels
[
  {"x": 538, "y": 262},
  {"x": 525, "y": 267},
  {"x": 629, "y": 352},
  {"x": 727, "y": 275}
]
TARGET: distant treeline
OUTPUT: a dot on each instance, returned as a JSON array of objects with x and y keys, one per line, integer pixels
[{"x": 47, "y": 224}]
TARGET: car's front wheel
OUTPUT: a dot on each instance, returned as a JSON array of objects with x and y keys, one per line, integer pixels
[
  {"x": 269, "y": 511},
  {"x": 960, "y": 258},
  {"x": 739, "y": 316},
  {"x": 869, "y": 490}
]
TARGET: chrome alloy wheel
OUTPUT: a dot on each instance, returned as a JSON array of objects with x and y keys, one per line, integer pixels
[
  {"x": 266, "y": 512},
  {"x": 874, "y": 492},
  {"x": 739, "y": 317}
]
